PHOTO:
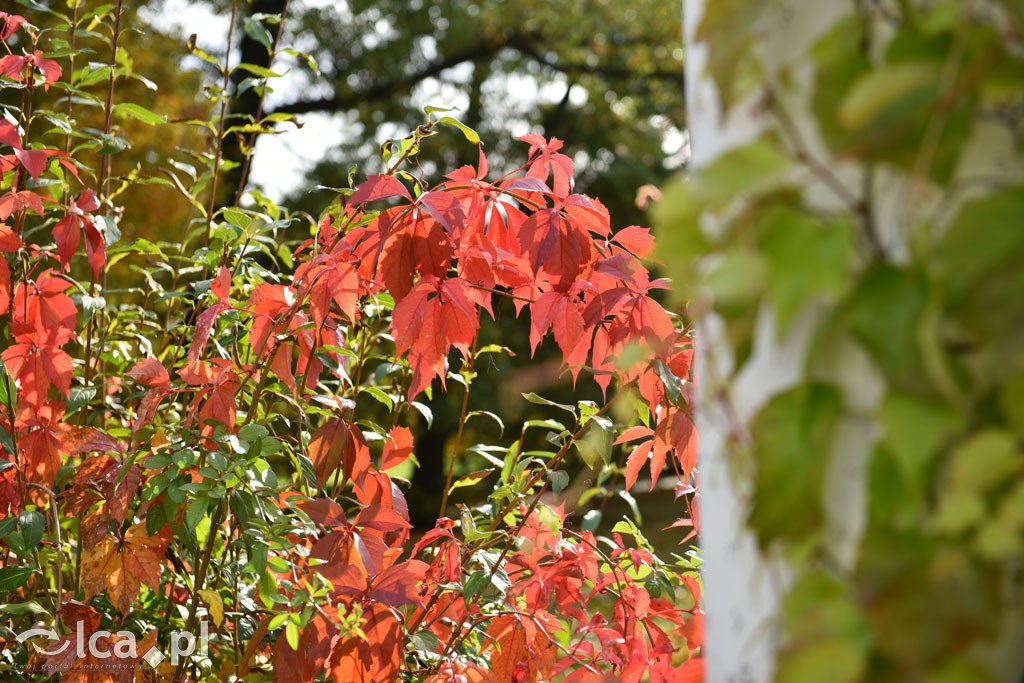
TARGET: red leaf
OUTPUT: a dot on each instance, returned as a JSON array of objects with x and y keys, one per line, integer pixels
[
  {"x": 13, "y": 67},
  {"x": 221, "y": 286},
  {"x": 9, "y": 240},
  {"x": 529, "y": 185},
  {"x": 36, "y": 368},
  {"x": 417, "y": 244},
  {"x": 43, "y": 314},
  {"x": 346, "y": 579},
  {"x": 151, "y": 372},
  {"x": 34, "y": 161},
  {"x": 445, "y": 209},
  {"x": 378, "y": 658},
  {"x": 396, "y": 585},
  {"x": 512, "y": 661},
  {"x": 675, "y": 432},
  {"x": 549, "y": 161},
  {"x": 623, "y": 267},
  {"x": 68, "y": 235},
  {"x": 560, "y": 312},
  {"x": 380, "y": 518},
  {"x": 87, "y": 201},
  {"x": 637, "y": 240},
  {"x": 608, "y": 302},
  {"x": 556, "y": 246},
  {"x": 221, "y": 405},
  {"x": 8, "y": 131},
  {"x": 418, "y": 328},
  {"x": 338, "y": 444},
  {"x": 633, "y": 433},
  {"x": 49, "y": 68},
  {"x": 204, "y": 325},
  {"x": 5, "y": 286},
  {"x": 95, "y": 246},
  {"x": 90, "y": 440},
  {"x": 397, "y": 449},
  {"x": 637, "y": 459},
  {"x": 378, "y": 187},
  {"x": 331, "y": 280}
]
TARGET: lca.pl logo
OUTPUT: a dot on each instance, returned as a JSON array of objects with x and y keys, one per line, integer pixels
[{"x": 182, "y": 644}]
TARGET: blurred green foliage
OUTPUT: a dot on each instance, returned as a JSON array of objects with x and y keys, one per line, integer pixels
[{"x": 910, "y": 125}]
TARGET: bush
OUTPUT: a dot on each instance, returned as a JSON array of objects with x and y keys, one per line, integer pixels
[{"x": 212, "y": 429}]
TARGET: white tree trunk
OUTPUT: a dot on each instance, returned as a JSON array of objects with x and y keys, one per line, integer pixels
[{"x": 744, "y": 588}]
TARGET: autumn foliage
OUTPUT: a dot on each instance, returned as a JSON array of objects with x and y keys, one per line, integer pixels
[{"x": 216, "y": 436}]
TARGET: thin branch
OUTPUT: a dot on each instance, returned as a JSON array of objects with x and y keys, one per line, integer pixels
[{"x": 522, "y": 43}]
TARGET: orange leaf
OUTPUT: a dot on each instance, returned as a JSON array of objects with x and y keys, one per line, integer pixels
[{"x": 121, "y": 568}]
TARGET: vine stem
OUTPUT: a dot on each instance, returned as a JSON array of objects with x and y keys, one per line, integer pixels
[
  {"x": 71, "y": 72},
  {"x": 11, "y": 389},
  {"x": 458, "y": 434},
  {"x": 60, "y": 553},
  {"x": 109, "y": 109},
  {"x": 220, "y": 125},
  {"x": 200, "y": 579},
  {"x": 103, "y": 187}
]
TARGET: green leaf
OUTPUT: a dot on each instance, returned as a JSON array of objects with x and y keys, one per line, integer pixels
[
  {"x": 987, "y": 460},
  {"x": 379, "y": 394},
  {"x": 634, "y": 508},
  {"x": 202, "y": 54},
  {"x": 8, "y": 525},
  {"x": 22, "y": 608},
  {"x": 914, "y": 431},
  {"x": 475, "y": 584},
  {"x": 883, "y": 313},
  {"x": 135, "y": 111},
  {"x": 488, "y": 414},
  {"x": 32, "y": 525},
  {"x": 792, "y": 437},
  {"x": 541, "y": 401},
  {"x": 833, "y": 634},
  {"x": 887, "y": 95},
  {"x": 424, "y": 641},
  {"x": 727, "y": 28},
  {"x": 470, "y": 134},
  {"x": 14, "y": 577},
  {"x": 310, "y": 62},
  {"x": 673, "y": 385},
  {"x": 257, "y": 70},
  {"x": 155, "y": 520},
  {"x": 291, "y": 634},
  {"x": 258, "y": 32},
  {"x": 806, "y": 257},
  {"x": 559, "y": 480},
  {"x": 978, "y": 244},
  {"x": 195, "y": 512},
  {"x": 158, "y": 461},
  {"x": 470, "y": 479},
  {"x": 79, "y": 396}
]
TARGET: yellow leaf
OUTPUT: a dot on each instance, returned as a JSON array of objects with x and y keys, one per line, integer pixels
[{"x": 215, "y": 604}]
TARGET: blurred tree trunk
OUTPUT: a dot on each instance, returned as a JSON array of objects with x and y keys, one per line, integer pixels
[
  {"x": 866, "y": 552},
  {"x": 244, "y": 108}
]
